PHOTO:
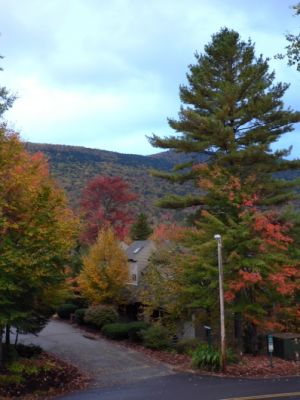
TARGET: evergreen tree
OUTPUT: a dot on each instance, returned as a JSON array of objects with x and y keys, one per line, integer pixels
[
  {"x": 293, "y": 48},
  {"x": 260, "y": 257},
  {"x": 6, "y": 98},
  {"x": 141, "y": 229},
  {"x": 234, "y": 110}
]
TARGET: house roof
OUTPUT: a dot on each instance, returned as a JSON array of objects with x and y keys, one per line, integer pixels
[{"x": 139, "y": 251}]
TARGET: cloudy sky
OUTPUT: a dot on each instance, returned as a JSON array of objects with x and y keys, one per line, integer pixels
[{"x": 105, "y": 73}]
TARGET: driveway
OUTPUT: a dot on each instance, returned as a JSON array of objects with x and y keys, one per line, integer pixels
[
  {"x": 107, "y": 363},
  {"x": 119, "y": 373}
]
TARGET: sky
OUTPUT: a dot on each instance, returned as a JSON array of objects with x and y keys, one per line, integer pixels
[{"x": 106, "y": 73}]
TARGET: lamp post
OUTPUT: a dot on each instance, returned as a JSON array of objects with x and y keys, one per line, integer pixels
[{"x": 218, "y": 238}]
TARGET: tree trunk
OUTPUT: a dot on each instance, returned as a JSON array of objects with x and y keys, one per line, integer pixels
[
  {"x": 1, "y": 346},
  {"x": 254, "y": 340},
  {"x": 17, "y": 336},
  {"x": 238, "y": 332},
  {"x": 7, "y": 335}
]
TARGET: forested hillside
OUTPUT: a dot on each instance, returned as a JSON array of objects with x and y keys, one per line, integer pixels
[{"x": 74, "y": 166}]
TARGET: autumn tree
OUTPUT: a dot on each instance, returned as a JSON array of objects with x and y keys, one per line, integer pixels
[
  {"x": 260, "y": 257},
  {"x": 105, "y": 202},
  {"x": 141, "y": 229},
  {"x": 233, "y": 110},
  {"x": 36, "y": 236},
  {"x": 105, "y": 270}
]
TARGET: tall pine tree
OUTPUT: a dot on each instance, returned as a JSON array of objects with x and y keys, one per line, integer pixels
[
  {"x": 233, "y": 109},
  {"x": 141, "y": 229},
  {"x": 6, "y": 98}
]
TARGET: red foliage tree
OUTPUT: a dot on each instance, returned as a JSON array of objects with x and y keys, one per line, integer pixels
[{"x": 105, "y": 202}]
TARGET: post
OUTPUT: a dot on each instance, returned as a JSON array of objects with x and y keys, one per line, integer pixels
[
  {"x": 218, "y": 238},
  {"x": 270, "y": 349}
]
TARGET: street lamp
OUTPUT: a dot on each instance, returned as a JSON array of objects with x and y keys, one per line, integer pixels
[{"x": 218, "y": 238}]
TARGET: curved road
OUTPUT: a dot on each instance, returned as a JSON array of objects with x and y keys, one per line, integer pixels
[{"x": 119, "y": 373}]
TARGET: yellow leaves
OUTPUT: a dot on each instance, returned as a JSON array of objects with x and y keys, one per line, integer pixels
[{"x": 105, "y": 269}]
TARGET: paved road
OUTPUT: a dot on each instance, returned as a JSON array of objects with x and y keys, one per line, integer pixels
[
  {"x": 107, "y": 363},
  {"x": 122, "y": 374},
  {"x": 191, "y": 387}
]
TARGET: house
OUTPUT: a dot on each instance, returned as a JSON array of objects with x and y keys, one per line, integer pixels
[{"x": 138, "y": 254}]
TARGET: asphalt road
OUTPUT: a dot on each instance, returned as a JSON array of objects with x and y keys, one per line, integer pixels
[
  {"x": 191, "y": 387},
  {"x": 119, "y": 373}
]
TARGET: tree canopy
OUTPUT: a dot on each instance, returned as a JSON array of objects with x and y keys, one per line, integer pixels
[
  {"x": 105, "y": 271},
  {"x": 141, "y": 229},
  {"x": 105, "y": 203},
  {"x": 232, "y": 109},
  {"x": 36, "y": 235}
]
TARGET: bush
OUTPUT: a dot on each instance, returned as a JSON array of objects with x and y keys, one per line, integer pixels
[
  {"x": 209, "y": 358},
  {"x": 99, "y": 316},
  {"x": 65, "y": 310},
  {"x": 79, "y": 316},
  {"x": 187, "y": 346},
  {"x": 117, "y": 331},
  {"x": 156, "y": 337},
  {"x": 10, "y": 353},
  {"x": 29, "y": 351},
  {"x": 135, "y": 330},
  {"x": 123, "y": 330}
]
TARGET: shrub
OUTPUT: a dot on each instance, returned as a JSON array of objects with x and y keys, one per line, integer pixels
[
  {"x": 8, "y": 380},
  {"x": 117, "y": 331},
  {"x": 10, "y": 353},
  {"x": 209, "y": 358},
  {"x": 29, "y": 351},
  {"x": 135, "y": 330},
  {"x": 187, "y": 346},
  {"x": 123, "y": 330},
  {"x": 99, "y": 316},
  {"x": 156, "y": 337},
  {"x": 79, "y": 316},
  {"x": 65, "y": 310}
]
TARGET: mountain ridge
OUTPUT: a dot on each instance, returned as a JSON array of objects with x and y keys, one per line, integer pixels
[{"x": 74, "y": 166}]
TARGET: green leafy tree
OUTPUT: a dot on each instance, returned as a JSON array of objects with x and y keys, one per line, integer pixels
[
  {"x": 232, "y": 109},
  {"x": 141, "y": 229}
]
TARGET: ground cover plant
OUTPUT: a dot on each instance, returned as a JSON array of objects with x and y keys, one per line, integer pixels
[{"x": 29, "y": 370}]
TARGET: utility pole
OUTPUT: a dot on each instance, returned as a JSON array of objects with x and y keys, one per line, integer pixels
[{"x": 218, "y": 238}]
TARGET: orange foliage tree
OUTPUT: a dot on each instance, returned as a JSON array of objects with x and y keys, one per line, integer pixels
[
  {"x": 260, "y": 254},
  {"x": 36, "y": 236}
]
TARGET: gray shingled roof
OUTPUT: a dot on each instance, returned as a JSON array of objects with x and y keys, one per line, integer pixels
[{"x": 140, "y": 252}]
